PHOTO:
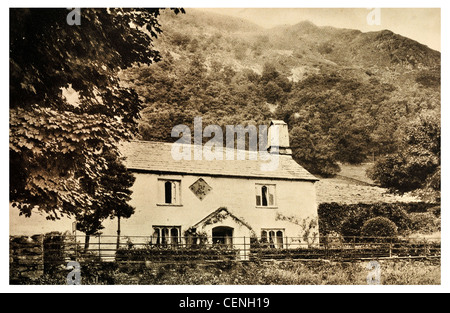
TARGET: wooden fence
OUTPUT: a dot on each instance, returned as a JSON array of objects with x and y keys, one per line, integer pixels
[
  {"x": 112, "y": 248},
  {"x": 33, "y": 257}
]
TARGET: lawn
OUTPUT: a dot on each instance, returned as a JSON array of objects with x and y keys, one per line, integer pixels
[
  {"x": 393, "y": 272},
  {"x": 397, "y": 272}
]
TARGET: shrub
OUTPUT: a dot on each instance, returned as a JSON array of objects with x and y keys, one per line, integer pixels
[
  {"x": 164, "y": 254},
  {"x": 352, "y": 225},
  {"x": 331, "y": 217},
  {"x": 397, "y": 213},
  {"x": 425, "y": 223},
  {"x": 379, "y": 227},
  {"x": 325, "y": 48},
  {"x": 334, "y": 239},
  {"x": 348, "y": 219},
  {"x": 180, "y": 40},
  {"x": 281, "y": 254},
  {"x": 436, "y": 211}
]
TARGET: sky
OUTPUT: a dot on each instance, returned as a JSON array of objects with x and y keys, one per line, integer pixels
[{"x": 420, "y": 24}]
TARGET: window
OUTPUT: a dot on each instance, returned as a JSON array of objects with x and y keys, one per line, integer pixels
[
  {"x": 169, "y": 192},
  {"x": 272, "y": 238},
  {"x": 166, "y": 235},
  {"x": 265, "y": 195}
]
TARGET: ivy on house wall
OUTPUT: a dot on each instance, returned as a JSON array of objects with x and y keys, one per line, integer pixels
[{"x": 309, "y": 227}]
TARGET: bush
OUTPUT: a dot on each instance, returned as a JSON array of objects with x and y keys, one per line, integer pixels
[
  {"x": 164, "y": 254},
  {"x": 397, "y": 213},
  {"x": 351, "y": 227},
  {"x": 425, "y": 223},
  {"x": 330, "y": 217},
  {"x": 325, "y": 48},
  {"x": 281, "y": 254},
  {"x": 334, "y": 240},
  {"x": 348, "y": 219},
  {"x": 436, "y": 211},
  {"x": 379, "y": 227}
]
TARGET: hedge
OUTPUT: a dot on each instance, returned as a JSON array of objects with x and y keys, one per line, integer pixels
[
  {"x": 155, "y": 253},
  {"x": 348, "y": 219}
]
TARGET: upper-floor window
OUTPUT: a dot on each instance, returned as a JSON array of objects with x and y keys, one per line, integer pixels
[
  {"x": 265, "y": 195},
  {"x": 169, "y": 192}
]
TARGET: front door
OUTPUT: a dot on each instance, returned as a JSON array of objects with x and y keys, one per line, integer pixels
[{"x": 223, "y": 236}]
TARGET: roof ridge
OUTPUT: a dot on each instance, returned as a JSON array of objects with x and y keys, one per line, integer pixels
[
  {"x": 193, "y": 144},
  {"x": 156, "y": 157}
]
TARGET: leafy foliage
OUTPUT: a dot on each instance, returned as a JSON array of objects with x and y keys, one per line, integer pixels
[
  {"x": 63, "y": 152},
  {"x": 348, "y": 219},
  {"x": 50, "y": 151},
  {"x": 417, "y": 165},
  {"x": 379, "y": 227},
  {"x": 164, "y": 254}
]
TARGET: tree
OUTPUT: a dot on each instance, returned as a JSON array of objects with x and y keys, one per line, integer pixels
[
  {"x": 63, "y": 153},
  {"x": 111, "y": 196},
  {"x": 313, "y": 150},
  {"x": 416, "y": 167},
  {"x": 272, "y": 92}
]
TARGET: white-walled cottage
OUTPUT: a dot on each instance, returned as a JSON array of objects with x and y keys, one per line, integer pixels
[{"x": 229, "y": 201}]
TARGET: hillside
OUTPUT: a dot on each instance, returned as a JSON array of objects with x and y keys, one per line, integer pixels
[
  {"x": 346, "y": 95},
  {"x": 351, "y": 186},
  {"x": 243, "y": 44}
]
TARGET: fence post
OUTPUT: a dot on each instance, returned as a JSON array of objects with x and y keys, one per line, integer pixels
[
  {"x": 99, "y": 249},
  {"x": 76, "y": 248},
  {"x": 354, "y": 246},
  {"x": 390, "y": 248},
  {"x": 245, "y": 250},
  {"x": 43, "y": 252}
]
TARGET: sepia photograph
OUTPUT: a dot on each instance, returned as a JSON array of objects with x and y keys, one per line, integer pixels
[{"x": 224, "y": 146}]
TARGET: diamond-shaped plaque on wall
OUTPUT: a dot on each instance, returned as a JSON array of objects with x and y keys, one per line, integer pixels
[{"x": 200, "y": 188}]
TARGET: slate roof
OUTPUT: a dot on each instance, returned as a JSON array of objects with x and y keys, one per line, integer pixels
[{"x": 156, "y": 157}]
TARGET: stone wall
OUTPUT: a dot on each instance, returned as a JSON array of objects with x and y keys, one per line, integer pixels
[{"x": 26, "y": 257}]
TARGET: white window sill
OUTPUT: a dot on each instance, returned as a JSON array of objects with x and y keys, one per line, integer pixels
[
  {"x": 266, "y": 207},
  {"x": 169, "y": 204}
]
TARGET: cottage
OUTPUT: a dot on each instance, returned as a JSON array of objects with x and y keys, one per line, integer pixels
[{"x": 227, "y": 201}]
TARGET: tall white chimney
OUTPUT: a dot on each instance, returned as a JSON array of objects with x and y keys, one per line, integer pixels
[{"x": 278, "y": 138}]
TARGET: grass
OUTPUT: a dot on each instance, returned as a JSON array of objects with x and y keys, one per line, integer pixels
[
  {"x": 319, "y": 273},
  {"x": 351, "y": 185},
  {"x": 393, "y": 272}
]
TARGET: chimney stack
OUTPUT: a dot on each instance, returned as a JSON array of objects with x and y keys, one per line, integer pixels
[{"x": 278, "y": 138}]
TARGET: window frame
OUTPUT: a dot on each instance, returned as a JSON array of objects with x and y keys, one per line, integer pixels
[
  {"x": 161, "y": 187},
  {"x": 166, "y": 230},
  {"x": 259, "y": 193},
  {"x": 274, "y": 244}
]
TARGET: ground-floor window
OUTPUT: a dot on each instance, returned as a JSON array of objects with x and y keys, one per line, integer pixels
[
  {"x": 166, "y": 235},
  {"x": 273, "y": 238}
]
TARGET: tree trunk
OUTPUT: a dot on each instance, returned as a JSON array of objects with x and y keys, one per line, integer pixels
[
  {"x": 118, "y": 233},
  {"x": 86, "y": 242}
]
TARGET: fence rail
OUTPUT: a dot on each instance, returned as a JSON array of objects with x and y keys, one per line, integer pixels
[{"x": 58, "y": 249}]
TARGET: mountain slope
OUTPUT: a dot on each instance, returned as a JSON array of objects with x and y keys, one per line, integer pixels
[{"x": 345, "y": 94}]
